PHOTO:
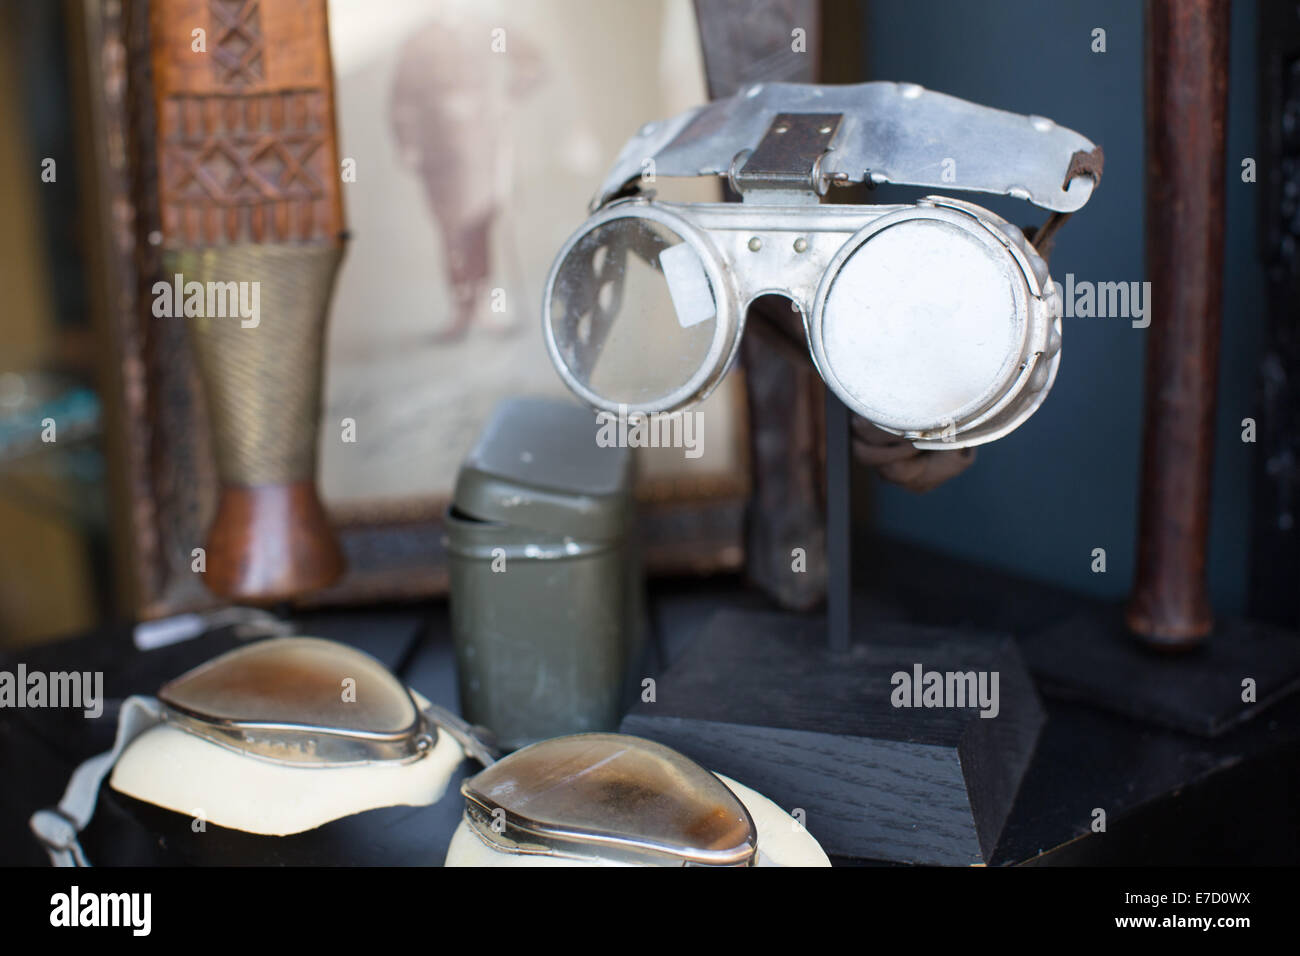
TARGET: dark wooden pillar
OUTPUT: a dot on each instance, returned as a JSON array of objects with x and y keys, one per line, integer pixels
[
  {"x": 746, "y": 43},
  {"x": 1186, "y": 105}
]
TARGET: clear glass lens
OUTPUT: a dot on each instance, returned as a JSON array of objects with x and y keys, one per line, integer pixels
[{"x": 632, "y": 311}]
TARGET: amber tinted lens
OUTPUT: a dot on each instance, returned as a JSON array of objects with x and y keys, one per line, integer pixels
[
  {"x": 296, "y": 680},
  {"x": 619, "y": 790}
]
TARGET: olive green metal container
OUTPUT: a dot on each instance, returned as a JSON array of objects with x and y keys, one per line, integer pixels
[{"x": 546, "y": 593}]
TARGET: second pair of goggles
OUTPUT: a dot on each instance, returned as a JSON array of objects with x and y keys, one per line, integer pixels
[
  {"x": 616, "y": 800},
  {"x": 936, "y": 321},
  {"x": 274, "y": 738}
]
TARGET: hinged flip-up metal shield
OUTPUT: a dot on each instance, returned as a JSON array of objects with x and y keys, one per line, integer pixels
[{"x": 891, "y": 133}]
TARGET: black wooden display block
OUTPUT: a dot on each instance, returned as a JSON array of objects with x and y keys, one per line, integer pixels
[
  {"x": 759, "y": 697},
  {"x": 1092, "y": 657}
]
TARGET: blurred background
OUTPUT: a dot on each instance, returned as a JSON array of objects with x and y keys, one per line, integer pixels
[
  {"x": 1039, "y": 501},
  {"x": 55, "y": 573}
]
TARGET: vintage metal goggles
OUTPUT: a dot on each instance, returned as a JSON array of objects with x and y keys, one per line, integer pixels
[
  {"x": 935, "y": 321},
  {"x": 275, "y": 737}
]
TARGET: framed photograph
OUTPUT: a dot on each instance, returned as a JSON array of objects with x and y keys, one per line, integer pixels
[{"x": 471, "y": 137}]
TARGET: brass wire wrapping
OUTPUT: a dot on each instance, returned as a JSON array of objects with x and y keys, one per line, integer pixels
[{"x": 262, "y": 383}]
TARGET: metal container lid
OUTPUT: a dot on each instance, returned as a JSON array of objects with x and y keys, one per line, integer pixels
[{"x": 537, "y": 466}]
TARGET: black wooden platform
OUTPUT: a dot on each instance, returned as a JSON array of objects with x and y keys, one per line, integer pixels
[
  {"x": 1092, "y": 657},
  {"x": 1169, "y": 797},
  {"x": 760, "y": 697}
]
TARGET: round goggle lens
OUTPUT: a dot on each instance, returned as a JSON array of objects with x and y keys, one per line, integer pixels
[
  {"x": 633, "y": 312},
  {"x": 922, "y": 325}
]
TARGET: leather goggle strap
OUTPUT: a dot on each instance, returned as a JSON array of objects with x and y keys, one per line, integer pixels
[
  {"x": 1082, "y": 163},
  {"x": 58, "y": 829}
]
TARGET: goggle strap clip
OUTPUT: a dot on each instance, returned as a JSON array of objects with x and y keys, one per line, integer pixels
[{"x": 787, "y": 161}]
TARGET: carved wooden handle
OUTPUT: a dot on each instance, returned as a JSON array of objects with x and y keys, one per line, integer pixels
[{"x": 252, "y": 226}]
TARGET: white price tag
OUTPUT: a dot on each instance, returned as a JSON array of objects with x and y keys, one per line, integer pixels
[{"x": 688, "y": 284}]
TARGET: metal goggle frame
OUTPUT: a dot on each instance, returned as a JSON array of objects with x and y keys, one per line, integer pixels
[
  {"x": 279, "y": 700},
  {"x": 935, "y": 321},
  {"x": 609, "y": 797}
]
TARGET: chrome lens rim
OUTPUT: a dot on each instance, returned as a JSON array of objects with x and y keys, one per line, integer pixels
[
  {"x": 284, "y": 738},
  {"x": 728, "y": 321}
]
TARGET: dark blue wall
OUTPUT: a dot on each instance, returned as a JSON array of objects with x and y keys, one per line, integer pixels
[{"x": 1040, "y": 500}]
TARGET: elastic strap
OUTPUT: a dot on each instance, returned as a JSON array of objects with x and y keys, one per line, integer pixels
[
  {"x": 58, "y": 829},
  {"x": 478, "y": 742}
]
